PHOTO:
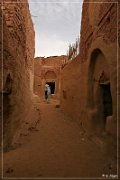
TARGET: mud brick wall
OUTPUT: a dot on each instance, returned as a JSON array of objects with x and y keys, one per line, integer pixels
[
  {"x": 0, "y": 71},
  {"x": 98, "y": 53},
  {"x": 18, "y": 54},
  {"x": 73, "y": 90},
  {"x": 99, "y": 20},
  {"x": 37, "y": 76}
]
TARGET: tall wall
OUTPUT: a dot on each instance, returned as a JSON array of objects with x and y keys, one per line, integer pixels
[
  {"x": 0, "y": 71},
  {"x": 37, "y": 76},
  {"x": 73, "y": 89},
  {"x": 82, "y": 80},
  {"x": 18, "y": 54}
]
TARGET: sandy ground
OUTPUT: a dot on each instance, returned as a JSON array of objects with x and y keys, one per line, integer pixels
[{"x": 56, "y": 148}]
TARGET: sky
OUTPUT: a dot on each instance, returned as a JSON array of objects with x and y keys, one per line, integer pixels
[{"x": 56, "y": 23}]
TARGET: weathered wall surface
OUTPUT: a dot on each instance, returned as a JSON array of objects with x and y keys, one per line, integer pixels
[
  {"x": 18, "y": 54},
  {"x": 0, "y": 71},
  {"x": 96, "y": 67},
  {"x": 37, "y": 76},
  {"x": 73, "y": 89},
  {"x": 48, "y": 70}
]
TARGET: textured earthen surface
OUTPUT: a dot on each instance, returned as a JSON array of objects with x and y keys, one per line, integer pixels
[
  {"x": 90, "y": 84},
  {"x": 18, "y": 53},
  {"x": 81, "y": 86},
  {"x": 57, "y": 149},
  {"x": 98, "y": 20}
]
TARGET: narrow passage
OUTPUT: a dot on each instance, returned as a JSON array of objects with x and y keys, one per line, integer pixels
[{"x": 56, "y": 148}]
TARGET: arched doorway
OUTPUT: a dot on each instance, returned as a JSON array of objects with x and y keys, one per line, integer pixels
[{"x": 99, "y": 90}]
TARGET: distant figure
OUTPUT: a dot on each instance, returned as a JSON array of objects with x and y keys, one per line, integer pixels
[
  {"x": 46, "y": 91},
  {"x": 49, "y": 94}
]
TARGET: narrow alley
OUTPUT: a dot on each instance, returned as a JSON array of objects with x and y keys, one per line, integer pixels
[
  {"x": 57, "y": 147},
  {"x": 59, "y": 89}
]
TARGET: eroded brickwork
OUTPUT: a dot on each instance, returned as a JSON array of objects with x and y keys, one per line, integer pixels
[
  {"x": 99, "y": 20},
  {"x": 18, "y": 54}
]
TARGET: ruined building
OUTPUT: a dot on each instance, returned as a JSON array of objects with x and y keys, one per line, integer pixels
[
  {"x": 16, "y": 65},
  {"x": 48, "y": 70},
  {"x": 89, "y": 83}
]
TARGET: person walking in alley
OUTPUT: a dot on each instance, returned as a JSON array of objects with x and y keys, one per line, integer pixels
[
  {"x": 49, "y": 94},
  {"x": 46, "y": 91}
]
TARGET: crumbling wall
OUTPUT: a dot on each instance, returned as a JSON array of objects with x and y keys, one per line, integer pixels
[
  {"x": 98, "y": 41},
  {"x": 18, "y": 53}
]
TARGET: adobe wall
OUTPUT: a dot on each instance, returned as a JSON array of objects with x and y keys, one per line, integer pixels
[
  {"x": 73, "y": 89},
  {"x": 18, "y": 54},
  {"x": 37, "y": 76},
  {"x": 48, "y": 70},
  {"x": 0, "y": 71},
  {"x": 98, "y": 55}
]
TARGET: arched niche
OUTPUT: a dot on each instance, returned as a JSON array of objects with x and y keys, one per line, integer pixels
[
  {"x": 50, "y": 75},
  {"x": 99, "y": 99}
]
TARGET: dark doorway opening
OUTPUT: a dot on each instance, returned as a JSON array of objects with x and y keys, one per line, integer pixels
[
  {"x": 107, "y": 100},
  {"x": 6, "y": 98},
  {"x": 52, "y": 86}
]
